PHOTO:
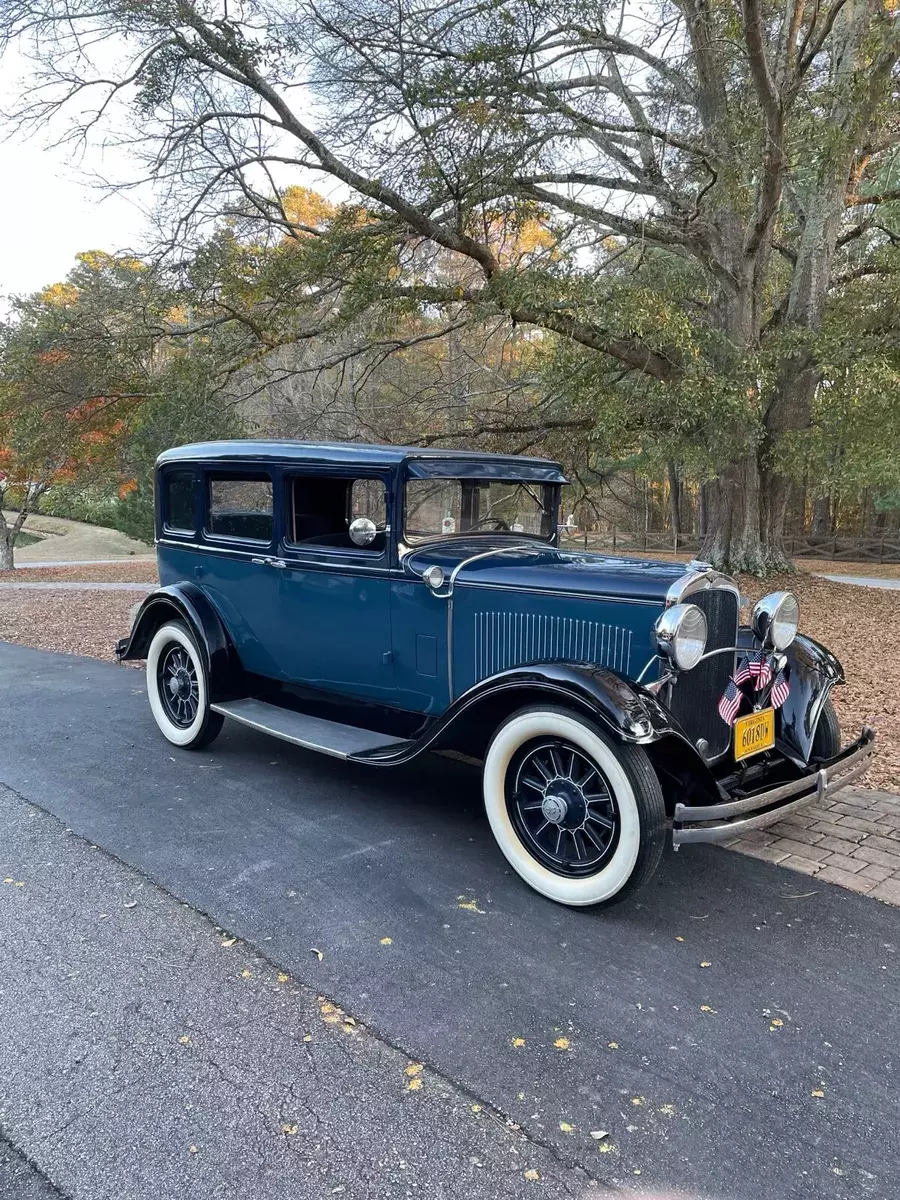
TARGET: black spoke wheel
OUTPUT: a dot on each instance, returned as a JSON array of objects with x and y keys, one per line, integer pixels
[
  {"x": 562, "y": 807},
  {"x": 176, "y": 679},
  {"x": 178, "y": 688},
  {"x": 578, "y": 815}
]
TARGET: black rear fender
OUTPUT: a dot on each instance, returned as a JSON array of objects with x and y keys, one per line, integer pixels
[{"x": 189, "y": 604}]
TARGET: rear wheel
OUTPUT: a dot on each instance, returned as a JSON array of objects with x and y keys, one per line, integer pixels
[
  {"x": 578, "y": 817},
  {"x": 178, "y": 690}
]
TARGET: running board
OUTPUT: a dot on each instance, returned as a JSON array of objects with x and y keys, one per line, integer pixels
[{"x": 312, "y": 733}]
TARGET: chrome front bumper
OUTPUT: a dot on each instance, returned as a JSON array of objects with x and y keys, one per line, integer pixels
[{"x": 721, "y": 822}]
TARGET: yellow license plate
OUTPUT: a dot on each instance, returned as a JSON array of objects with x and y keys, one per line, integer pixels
[{"x": 754, "y": 733}]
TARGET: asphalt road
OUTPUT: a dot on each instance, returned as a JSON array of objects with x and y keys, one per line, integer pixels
[{"x": 733, "y": 1028}]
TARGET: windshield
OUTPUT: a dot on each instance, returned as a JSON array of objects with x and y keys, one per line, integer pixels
[{"x": 437, "y": 508}]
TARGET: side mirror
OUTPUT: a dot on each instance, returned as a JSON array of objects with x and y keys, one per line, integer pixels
[{"x": 362, "y": 531}]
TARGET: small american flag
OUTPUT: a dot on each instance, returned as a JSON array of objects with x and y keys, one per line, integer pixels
[
  {"x": 760, "y": 667},
  {"x": 730, "y": 702},
  {"x": 781, "y": 689},
  {"x": 742, "y": 674}
]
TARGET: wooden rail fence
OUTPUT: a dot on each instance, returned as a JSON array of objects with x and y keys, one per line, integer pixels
[{"x": 835, "y": 549}]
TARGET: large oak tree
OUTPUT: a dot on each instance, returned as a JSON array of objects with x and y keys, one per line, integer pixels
[{"x": 712, "y": 171}]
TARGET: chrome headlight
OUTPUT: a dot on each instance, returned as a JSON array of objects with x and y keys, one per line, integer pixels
[
  {"x": 775, "y": 619},
  {"x": 681, "y": 635}
]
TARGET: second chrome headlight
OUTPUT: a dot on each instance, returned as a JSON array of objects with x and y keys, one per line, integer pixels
[
  {"x": 681, "y": 635},
  {"x": 775, "y": 619}
]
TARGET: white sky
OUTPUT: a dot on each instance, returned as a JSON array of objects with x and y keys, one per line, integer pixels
[{"x": 48, "y": 213}]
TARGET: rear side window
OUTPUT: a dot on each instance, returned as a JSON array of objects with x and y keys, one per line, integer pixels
[
  {"x": 178, "y": 501},
  {"x": 240, "y": 506}
]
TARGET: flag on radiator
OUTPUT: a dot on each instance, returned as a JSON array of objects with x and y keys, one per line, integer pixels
[
  {"x": 759, "y": 667},
  {"x": 730, "y": 702}
]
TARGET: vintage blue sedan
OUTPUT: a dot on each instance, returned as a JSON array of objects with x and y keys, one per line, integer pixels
[{"x": 378, "y": 602}]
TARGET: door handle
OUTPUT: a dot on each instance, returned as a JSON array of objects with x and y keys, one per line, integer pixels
[{"x": 269, "y": 562}]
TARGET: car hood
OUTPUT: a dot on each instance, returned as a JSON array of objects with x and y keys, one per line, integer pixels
[{"x": 494, "y": 562}]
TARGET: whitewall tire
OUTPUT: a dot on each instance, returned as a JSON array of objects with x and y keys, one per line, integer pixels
[
  {"x": 580, "y": 818},
  {"x": 178, "y": 689}
]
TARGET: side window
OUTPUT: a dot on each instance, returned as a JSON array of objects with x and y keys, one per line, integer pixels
[
  {"x": 322, "y": 509},
  {"x": 179, "y": 513},
  {"x": 367, "y": 500},
  {"x": 240, "y": 506}
]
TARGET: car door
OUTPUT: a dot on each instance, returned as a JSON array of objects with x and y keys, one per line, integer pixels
[
  {"x": 233, "y": 564},
  {"x": 333, "y": 628}
]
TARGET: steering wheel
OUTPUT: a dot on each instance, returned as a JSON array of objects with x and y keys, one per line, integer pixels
[{"x": 499, "y": 523}]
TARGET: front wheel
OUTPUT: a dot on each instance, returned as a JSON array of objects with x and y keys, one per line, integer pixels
[
  {"x": 581, "y": 819},
  {"x": 178, "y": 690}
]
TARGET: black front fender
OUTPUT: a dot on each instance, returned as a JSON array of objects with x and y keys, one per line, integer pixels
[
  {"x": 623, "y": 709},
  {"x": 188, "y": 603},
  {"x": 814, "y": 671}
]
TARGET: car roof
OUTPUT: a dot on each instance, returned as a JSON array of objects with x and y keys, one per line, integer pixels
[{"x": 339, "y": 453}]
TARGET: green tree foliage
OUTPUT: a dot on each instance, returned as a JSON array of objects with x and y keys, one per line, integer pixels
[{"x": 709, "y": 180}]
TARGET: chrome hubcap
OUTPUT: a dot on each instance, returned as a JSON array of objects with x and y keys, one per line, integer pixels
[{"x": 554, "y": 809}]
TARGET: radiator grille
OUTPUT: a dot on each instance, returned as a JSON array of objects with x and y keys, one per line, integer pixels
[
  {"x": 509, "y": 639},
  {"x": 696, "y": 694}
]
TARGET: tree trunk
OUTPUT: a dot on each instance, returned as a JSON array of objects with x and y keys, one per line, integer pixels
[
  {"x": 674, "y": 501},
  {"x": 6, "y": 551},
  {"x": 733, "y": 540},
  {"x": 821, "y": 517}
]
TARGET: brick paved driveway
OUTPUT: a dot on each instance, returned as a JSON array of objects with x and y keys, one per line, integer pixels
[{"x": 853, "y": 840}]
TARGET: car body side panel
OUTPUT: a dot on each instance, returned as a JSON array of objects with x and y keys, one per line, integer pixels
[
  {"x": 496, "y": 629},
  {"x": 244, "y": 593},
  {"x": 419, "y": 620}
]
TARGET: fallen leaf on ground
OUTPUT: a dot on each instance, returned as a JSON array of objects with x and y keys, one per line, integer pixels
[
  {"x": 706, "y": 964},
  {"x": 184, "y": 1040},
  {"x": 476, "y": 1108},
  {"x": 130, "y": 904},
  {"x": 599, "y": 1134},
  {"x": 706, "y": 1008},
  {"x": 518, "y": 1041},
  {"x": 282, "y": 978},
  {"x": 531, "y": 1175},
  {"x": 413, "y": 1069},
  {"x": 561, "y": 1043},
  {"x": 566, "y": 1127},
  {"x": 414, "y": 1085},
  {"x": 318, "y": 953},
  {"x": 613, "y": 1045},
  {"x": 386, "y": 942},
  {"x": 290, "y": 1130},
  {"x": 246, "y": 974},
  {"x": 228, "y": 942}
]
